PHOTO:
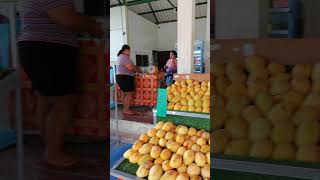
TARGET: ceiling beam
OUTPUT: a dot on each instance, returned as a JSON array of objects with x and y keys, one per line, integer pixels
[
  {"x": 202, "y": 3},
  {"x": 171, "y": 4},
  {"x": 160, "y": 10},
  {"x": 137, "y": 2},
  {"x": 168, "y": 9},
  {"x": 154, "y": 14},
  {"x": 133, "y": 3},
  {"x": 200, "y": 17}
]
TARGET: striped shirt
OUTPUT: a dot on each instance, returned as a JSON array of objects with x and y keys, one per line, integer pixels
[
  {"x": 121, "y": 62},
  {"x": 37, "y": 26}
]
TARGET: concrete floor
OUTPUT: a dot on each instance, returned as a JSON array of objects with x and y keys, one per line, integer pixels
[
  {"x": 92, "y": 166},
  {"x": 144, "y": 114},
  {"x": 130, "y": 127}
]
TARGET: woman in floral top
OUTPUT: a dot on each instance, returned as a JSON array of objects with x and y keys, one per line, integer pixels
[{"x": 171, "y": 67}]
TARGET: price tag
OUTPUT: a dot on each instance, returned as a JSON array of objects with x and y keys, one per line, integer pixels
[{"x": 162, "y": 103}]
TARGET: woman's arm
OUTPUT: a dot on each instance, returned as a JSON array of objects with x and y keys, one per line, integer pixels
[
  {"x": 132, "y": 68},
  {"x": 70, "y": 19}
]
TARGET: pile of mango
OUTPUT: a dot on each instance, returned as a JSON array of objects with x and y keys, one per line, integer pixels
[
  {"x": 171, "y": 152},
  {"x": 267, "y": 110},
  {"x": 189, "y": 95}
]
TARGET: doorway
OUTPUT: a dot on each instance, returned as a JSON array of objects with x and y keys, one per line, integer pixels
[{"x": 163, "y": 57}]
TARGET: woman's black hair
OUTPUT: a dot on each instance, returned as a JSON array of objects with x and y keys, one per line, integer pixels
[
  {"x": 124, "y": 47},
  {"x": 174, "y": 53}
]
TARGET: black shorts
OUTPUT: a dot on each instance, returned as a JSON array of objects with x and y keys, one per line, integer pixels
[
  {"x": 125, "y": 82},
  {"x": 51, "y": 67}
]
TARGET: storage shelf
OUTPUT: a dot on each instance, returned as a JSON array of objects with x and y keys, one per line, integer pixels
[
  {"x": 265, "y": 169},
  {"x": 186, "y": 114}
]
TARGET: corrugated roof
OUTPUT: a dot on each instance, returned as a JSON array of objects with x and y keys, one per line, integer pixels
[
  {"x": 150, "y": 17},
  {"x": 140, "y": 8},
  {"x": 201, "y": 10},
  {"x": 159, "y": 5},
  {"x": 114, "y": 2},
  {"x": 166, "y": 16},
  {"x": 163, "y": 9}
]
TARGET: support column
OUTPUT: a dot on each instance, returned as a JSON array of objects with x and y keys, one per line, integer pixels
[
  {"x": 208, "y": 21},
  {"x": 186, "y": 30},
  {"x": 207, "y": 41}
]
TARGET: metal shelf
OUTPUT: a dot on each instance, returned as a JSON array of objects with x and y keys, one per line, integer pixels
[
  {"x": 265, "y": 169},
  {"x": 186, "y": 114}
]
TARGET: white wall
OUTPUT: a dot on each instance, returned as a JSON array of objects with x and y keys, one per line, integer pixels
[
  {"x": 118, "y": 30},
  {"x": 167, "y": 34},
  {"x": 142, "y": 36},
  {"x": 241, "y": 19}
]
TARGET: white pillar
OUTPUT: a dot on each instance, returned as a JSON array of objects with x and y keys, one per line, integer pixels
[
  {"x": 186, "y": 29},
  {"x": 208, "y": 21},
  {"x": 207, "y": 41}
]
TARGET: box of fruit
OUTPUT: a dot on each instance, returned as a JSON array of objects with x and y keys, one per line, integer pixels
[
  {"x": 189, "y": 93},
  {"x": 145, "y": 90},
  {"x": 167, "y": 151},
  {"x": 266, "y": 102}
]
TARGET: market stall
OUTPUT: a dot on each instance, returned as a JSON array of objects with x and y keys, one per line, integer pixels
[
  {"x": 182, "y": 107},
  {"x": 270, "y": 86},
  {"x": 196, "y": 127}
]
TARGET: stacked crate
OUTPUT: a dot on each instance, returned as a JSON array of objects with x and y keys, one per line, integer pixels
[
  {"x": 146, "y": 87},
  {"x": 92, "y": 113}
]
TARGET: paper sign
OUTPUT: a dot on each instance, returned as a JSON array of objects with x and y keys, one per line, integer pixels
[{"x": 162, "y": 103}]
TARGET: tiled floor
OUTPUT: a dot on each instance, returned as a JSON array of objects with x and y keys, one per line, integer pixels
[
  {"x": 92, "y": 166},
  {"x": 144, "y": 114}
]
